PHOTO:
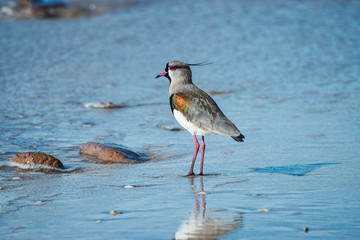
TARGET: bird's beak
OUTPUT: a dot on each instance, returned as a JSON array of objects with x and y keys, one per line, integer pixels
[{"x": 162, "y": 74}]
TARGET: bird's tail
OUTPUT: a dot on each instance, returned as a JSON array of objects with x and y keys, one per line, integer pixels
[{"x": 239, "y": 138}]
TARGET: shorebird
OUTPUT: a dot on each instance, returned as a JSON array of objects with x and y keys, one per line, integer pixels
[{"x": 195, "y": 110}]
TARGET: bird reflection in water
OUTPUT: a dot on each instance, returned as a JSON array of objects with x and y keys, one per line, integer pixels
[{"x": 200, "y": 226}]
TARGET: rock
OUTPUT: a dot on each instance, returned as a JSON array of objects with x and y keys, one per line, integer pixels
[
  {"x": 218, "y": 92},
  {"x": 43, "y": 9},
  {"x": 263, "y": 210},
  {"x": 103, "y": 105},
  {"x": 111, "y": 153},
  {"x": 174, "y": 129},
  {"x": 113, "y": 212},
  {"x": 37, "y": 158}
]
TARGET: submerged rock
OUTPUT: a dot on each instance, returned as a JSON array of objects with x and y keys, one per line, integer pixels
[
  {"x": 37, "y": 158},
  {"x": 170, "y": 128},
  {"x": 113, "y": 212},
  {"x": 44, "y": 9},
  {"x": 104, "y": 105},
  {"x": 218, "y": 92},
  {"x": 112, "y": 153}
]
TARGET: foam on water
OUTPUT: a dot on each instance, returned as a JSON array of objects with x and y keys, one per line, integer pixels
[{"x": 39, "y": 167}]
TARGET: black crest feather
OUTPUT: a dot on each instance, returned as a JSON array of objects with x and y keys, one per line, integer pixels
[{"x": 200, "y": 64}]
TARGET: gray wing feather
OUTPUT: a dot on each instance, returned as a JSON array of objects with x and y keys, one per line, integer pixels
[{"x": 205, "y": 113}]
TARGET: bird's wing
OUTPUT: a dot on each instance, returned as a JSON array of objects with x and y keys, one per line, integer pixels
[{"x": 202, "y": 111}]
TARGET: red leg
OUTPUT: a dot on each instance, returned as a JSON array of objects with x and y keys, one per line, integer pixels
[
  {"x": 191, "y": 172},
  {"x": 202, "y": 155}
]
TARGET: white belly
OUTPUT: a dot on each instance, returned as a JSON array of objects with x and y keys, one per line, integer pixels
[{"x": 194, "y": 130}]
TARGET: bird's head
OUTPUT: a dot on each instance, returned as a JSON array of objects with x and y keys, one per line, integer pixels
[
  {"x": 179, "y": 71},
  {"x": 176, "y": 70}
]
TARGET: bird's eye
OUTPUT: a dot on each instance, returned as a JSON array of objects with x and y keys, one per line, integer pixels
[{"x": 172, "y": 68}]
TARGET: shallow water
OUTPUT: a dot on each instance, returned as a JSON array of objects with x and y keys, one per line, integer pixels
[{"x": 291, "y": 69}]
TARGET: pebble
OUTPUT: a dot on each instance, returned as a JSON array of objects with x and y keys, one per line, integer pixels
[
  {"x": 88, "y": 124},
  {"x": 218, "y": 92},
  {"x": 201, "y": 193},
  {"x": 38, "y": 203},
  {"x": 113, "y": 212},
  {"x": 170, "y": 128},
  {"x": 103, "y": 105},
  {"x": 263, "y": 210}
]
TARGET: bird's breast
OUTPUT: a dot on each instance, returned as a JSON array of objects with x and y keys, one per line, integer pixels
[
  {"x": 191, "y": 127},
  {"x": 180, "y": 102}
]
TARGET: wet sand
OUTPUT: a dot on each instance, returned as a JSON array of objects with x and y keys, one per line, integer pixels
[{"x": 288, "y": 77}]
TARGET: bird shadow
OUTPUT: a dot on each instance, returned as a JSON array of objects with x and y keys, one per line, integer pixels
[
  {"x": 202, "y": 175},
  {"x": 293, "y": 170}
]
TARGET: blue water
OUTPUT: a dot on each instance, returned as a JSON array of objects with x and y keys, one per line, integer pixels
[{"x": 292, "y": 71}]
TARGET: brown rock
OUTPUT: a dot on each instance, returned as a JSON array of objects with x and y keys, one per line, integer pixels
[
  {"x": 111, "y": 154},
  {"x": 36, "y": 158},
  {"x": 218, "y": 92}
]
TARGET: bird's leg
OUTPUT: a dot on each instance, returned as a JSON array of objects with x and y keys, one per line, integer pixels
[
  {"x": 191, "y": 172},
  {"x": 202, "y": 154}
]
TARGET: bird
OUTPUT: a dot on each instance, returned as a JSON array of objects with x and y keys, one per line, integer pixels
[{"x": 195, "y": 110}]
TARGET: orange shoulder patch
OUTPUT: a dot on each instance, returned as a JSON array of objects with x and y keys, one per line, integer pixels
[{"x": 181, "y": 101}]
